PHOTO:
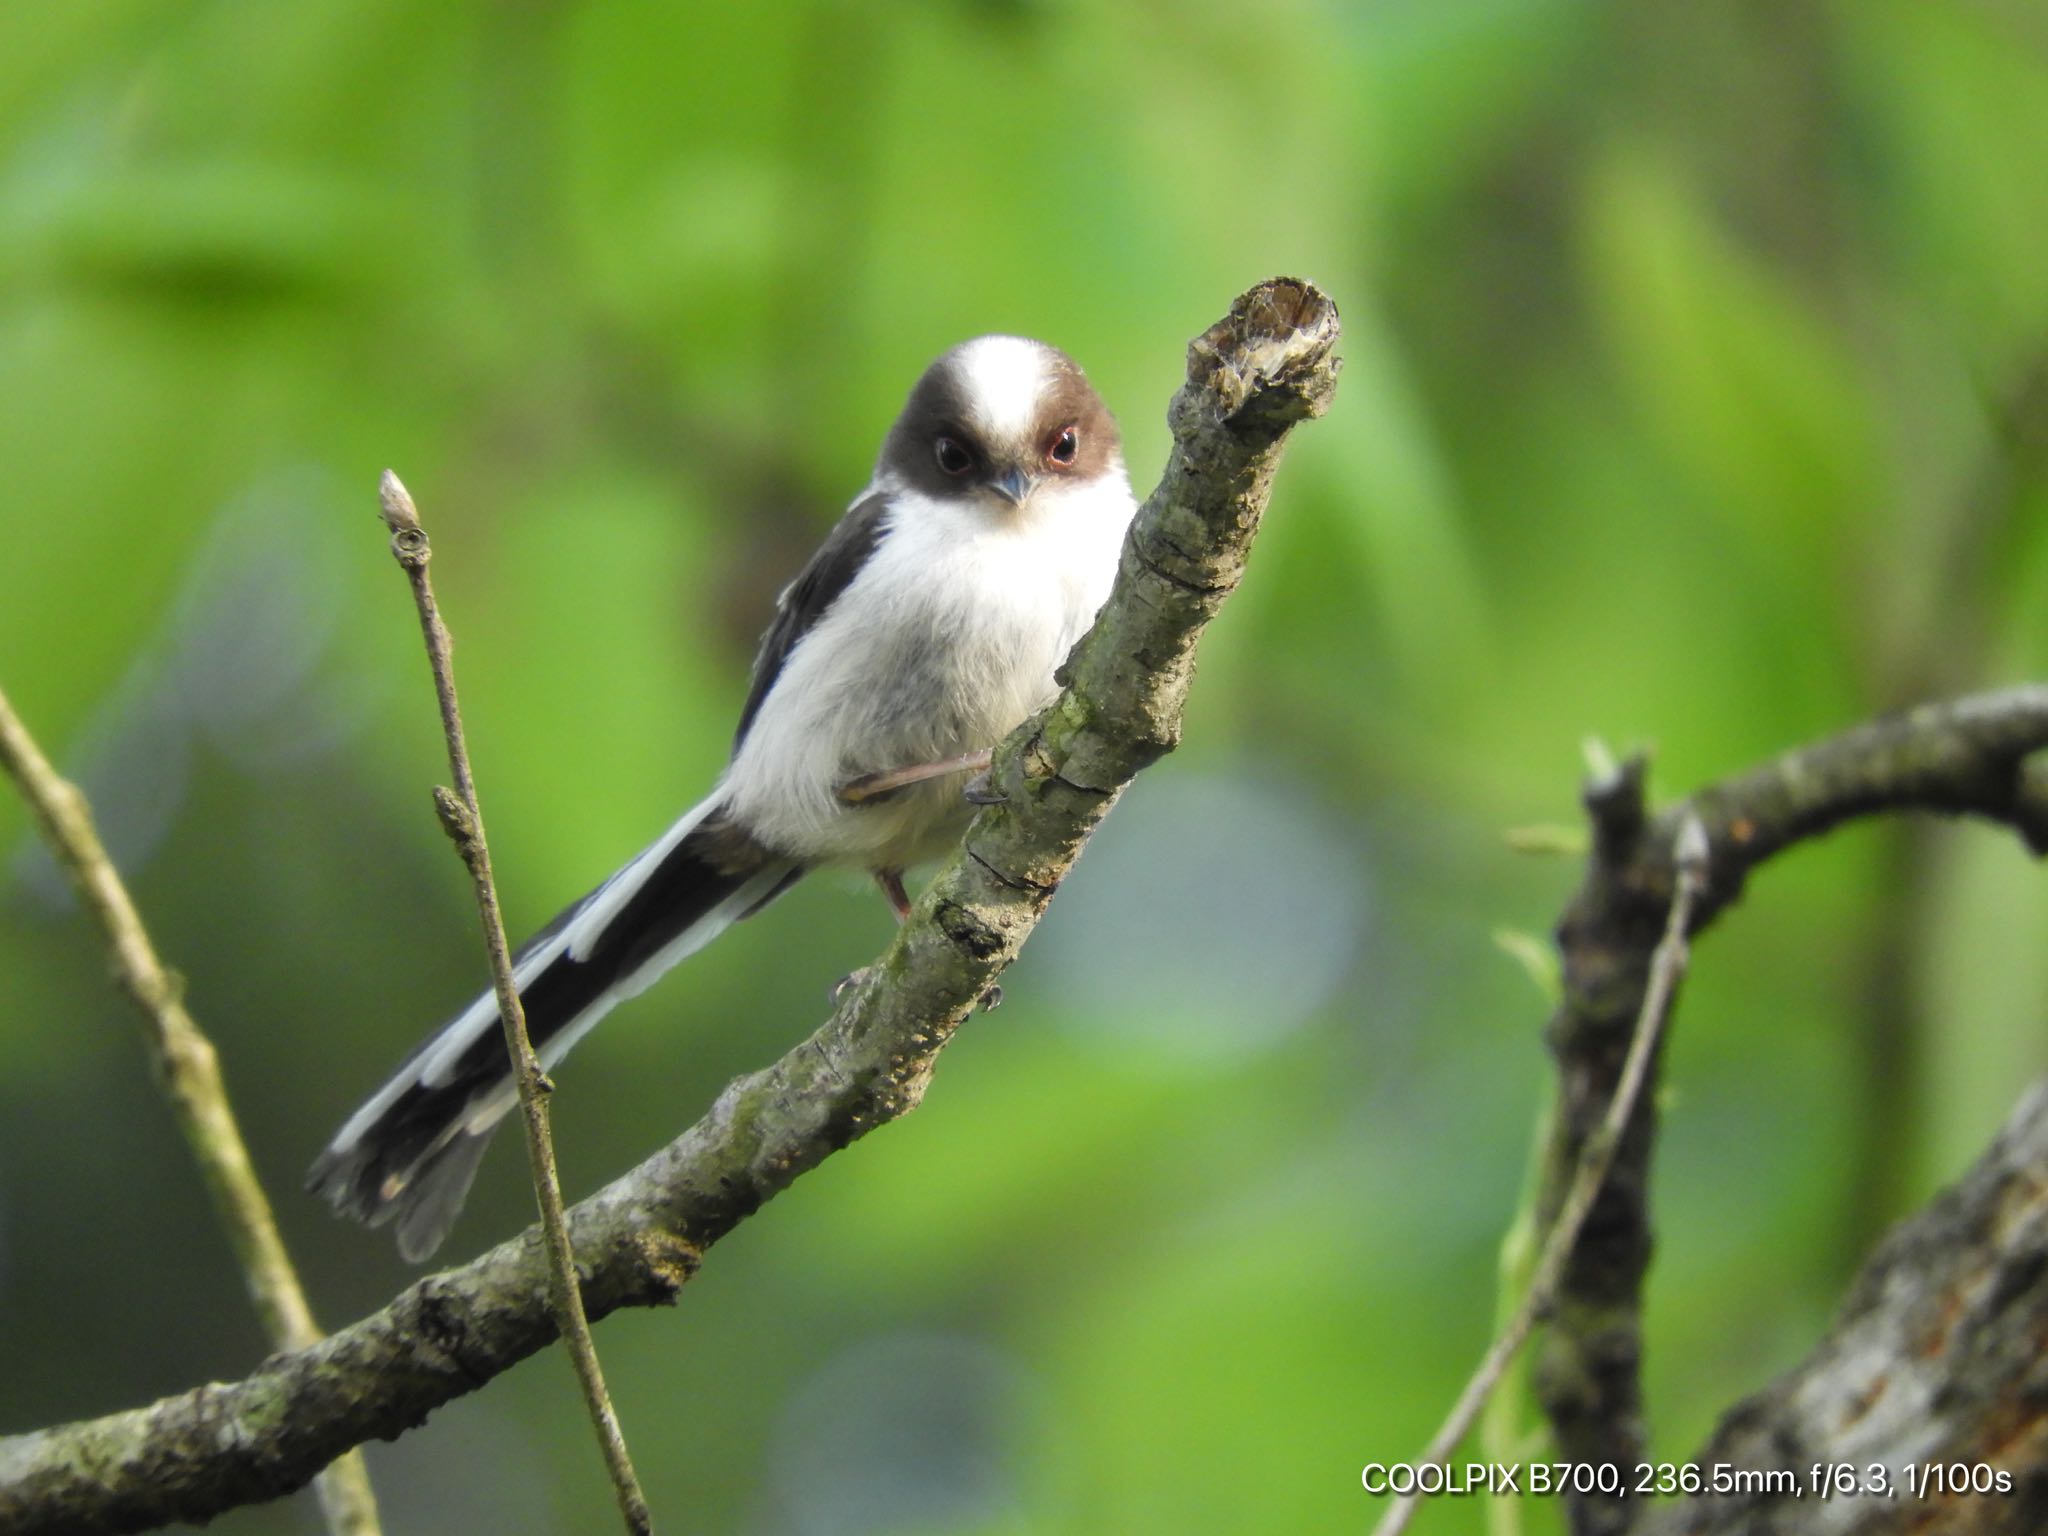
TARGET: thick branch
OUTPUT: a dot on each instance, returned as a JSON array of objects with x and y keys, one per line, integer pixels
[
  {"x": 1969, "y": 757},
  {"x": 1936, "y": 1360},
  {"x": 1268, "y": 365}
]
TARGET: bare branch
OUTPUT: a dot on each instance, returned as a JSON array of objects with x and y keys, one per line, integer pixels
[
  {"x": 463, "y": 818},
  {"x": 188, "y": 1070},
  {"x": 1266, "y": 366},
  {"x": 1931, "y": 1381},
  {"x": 1967, "y": 757},
  {"x": 1667, "y": 966}
]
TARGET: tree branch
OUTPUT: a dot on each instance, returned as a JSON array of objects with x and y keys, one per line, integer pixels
[
  {"x": 463, "y": 817},
  {"x": 1667, "y": 968},
  {"x": 1936, "y": 1361},
  {"x": 1266, "y": 366},
  {"x": 188, "y": 1071},
  {"x": 1968, "y": 757}
]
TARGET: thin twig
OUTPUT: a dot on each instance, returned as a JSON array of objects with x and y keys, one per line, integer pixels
[
  {"x": 188, "y": 1069},
  {"x": 464, "y": 819},
  {"x": 1667, "y": 965}
]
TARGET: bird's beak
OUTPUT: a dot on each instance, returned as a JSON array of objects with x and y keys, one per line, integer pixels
[{"x": 1013, "y": 485}]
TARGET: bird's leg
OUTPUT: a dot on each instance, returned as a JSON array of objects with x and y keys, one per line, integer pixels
[
  {"x": 891, "y": 882},
  {"x": 875, "y": 786}
]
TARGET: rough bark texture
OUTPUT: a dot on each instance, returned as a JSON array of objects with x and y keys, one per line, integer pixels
[
  {"x": 1939, "y": 1358},
  {"x": 1969, "y": 757},
  {"x": 1266, "y": 366}
]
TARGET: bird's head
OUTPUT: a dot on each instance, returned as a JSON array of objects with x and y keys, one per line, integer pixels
[{"x": 1001, "y": 421}]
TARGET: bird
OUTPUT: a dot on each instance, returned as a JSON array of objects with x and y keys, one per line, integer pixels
[{"x": 927, "y": 626}]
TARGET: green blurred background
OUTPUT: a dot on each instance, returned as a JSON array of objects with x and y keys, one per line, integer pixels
[{"x": 1697, "y": 369}]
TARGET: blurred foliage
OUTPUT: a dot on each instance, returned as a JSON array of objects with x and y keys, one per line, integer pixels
[{"x": 1698, "y": 364}]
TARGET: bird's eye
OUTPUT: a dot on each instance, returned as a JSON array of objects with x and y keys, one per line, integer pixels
[
  {"x": 1064, "y": 447},
  {"x": 953, "y": 458}
]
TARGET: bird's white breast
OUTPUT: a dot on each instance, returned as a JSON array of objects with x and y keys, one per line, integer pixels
[{"x": 943, "y": 643}]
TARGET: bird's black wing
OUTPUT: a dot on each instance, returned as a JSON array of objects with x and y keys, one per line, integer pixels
[{"x": 805, "y": 601}]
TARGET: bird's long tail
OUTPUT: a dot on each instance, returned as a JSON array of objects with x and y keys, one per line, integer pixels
[{"x": 409, "y": 1154}]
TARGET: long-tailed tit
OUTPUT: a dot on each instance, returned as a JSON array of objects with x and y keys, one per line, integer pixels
[{"x": 925, "y": 628}]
